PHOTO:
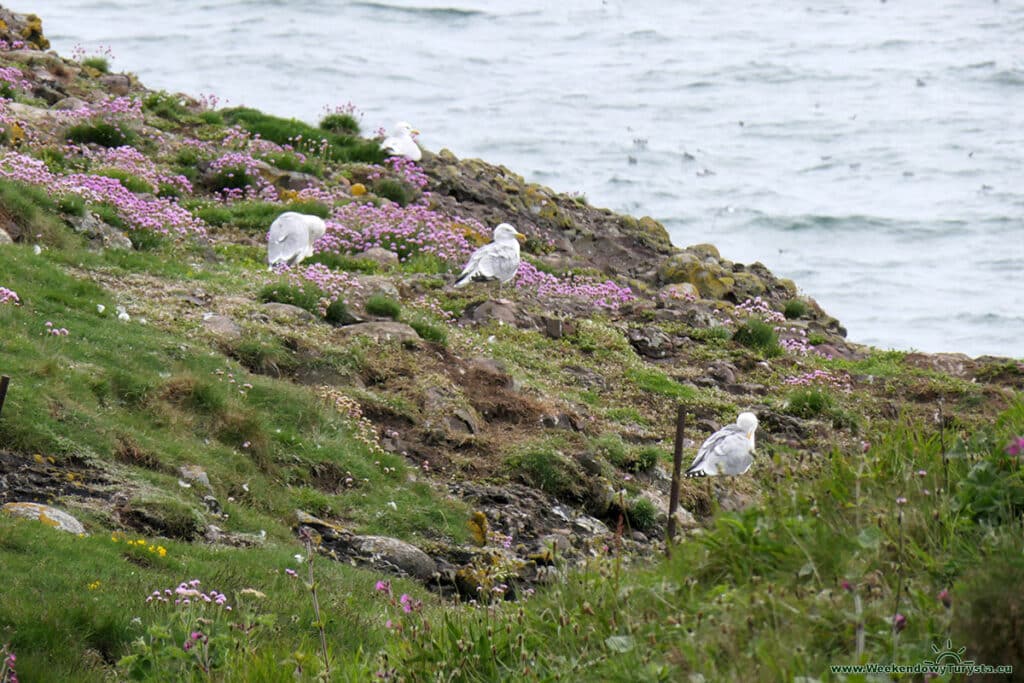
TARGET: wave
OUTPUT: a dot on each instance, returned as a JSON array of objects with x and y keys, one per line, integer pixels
[{"x": 436, "y": 12}]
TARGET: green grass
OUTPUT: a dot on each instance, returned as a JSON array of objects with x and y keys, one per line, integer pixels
[
  {"x": 795, "y": 308},
  {"x": 758, "y": 335},
  {"x": 253, "y": 215},
  {"x": 397, "y": 191},
  {"x": 99, "y": 63},
  {"x": 383, "y": 305},
  {"x": 340, "y": 124},
  {"x": 657, "y": 382},
  {"x": 329, "y": 145},
  {"x": 33, "y": 211},
  {"x": 131, "y": 182},
  {"x": 101, "y": 133}
]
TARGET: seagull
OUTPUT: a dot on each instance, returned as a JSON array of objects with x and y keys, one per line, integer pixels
[
  {"x": 401, "y": 144},
  {"x": 291, "y": 238},
  {"x": 498, "y": 260},
  {"x": 728, "y": 451}
]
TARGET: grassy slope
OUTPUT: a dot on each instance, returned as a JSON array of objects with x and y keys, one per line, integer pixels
[{"x": 753, "y": 596}]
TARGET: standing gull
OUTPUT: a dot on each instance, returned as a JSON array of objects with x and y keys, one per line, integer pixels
[
  {"x": 401, "y": 144},
  {"x": 730, "y": 450},
  {"x": 498, "y": 260},
  {"x": 291, "y": 237}
]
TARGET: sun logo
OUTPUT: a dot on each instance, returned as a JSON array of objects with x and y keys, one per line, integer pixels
[{"x": 947, "y": 655}]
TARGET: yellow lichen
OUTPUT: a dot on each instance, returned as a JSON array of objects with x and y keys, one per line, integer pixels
[{"x": 358, "y": 190}]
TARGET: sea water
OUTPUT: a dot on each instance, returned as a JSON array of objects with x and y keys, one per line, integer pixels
[{"x": 871, "y": 151}]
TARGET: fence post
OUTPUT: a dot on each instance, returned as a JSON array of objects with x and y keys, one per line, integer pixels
[{"x": 677, "y": 468}]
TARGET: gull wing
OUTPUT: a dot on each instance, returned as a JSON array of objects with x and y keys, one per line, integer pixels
[
  {"x": 727, "y": 451},
  {"x": 494, "y": 261}
]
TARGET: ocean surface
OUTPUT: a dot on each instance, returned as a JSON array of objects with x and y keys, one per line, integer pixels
[{"x": 871, "y": 151}]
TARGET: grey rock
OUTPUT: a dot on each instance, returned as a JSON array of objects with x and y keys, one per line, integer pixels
[
  {"x": 69, "y": 104},
  {"x": 391, "y": 554},
  {"x": 589, "y": 525},
  {"x": 382, "y": 332},
  {"x": 650, "y": 341},
  {"x": 379, "y": 255},
  {"x": 195, "y": 474},
  {"x": 117, "y": 84},
  {"x": 235, "y": 539},
  {"x": 49, "y": 516},
  {"x": 295, "y": 180},
  {"x": 99, "y": 232},
  {"x": 287, "y": 312},
  {"x": 222, "y": 326}
]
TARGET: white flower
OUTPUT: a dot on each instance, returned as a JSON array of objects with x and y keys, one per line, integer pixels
[
  {"x": 100, "y": 308},
  {"x": 299, "y": 558}
]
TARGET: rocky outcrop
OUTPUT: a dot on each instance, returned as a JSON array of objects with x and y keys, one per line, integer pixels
[
  {"x": 580, "y": 234},
  {"x": 50, "y": 516}
]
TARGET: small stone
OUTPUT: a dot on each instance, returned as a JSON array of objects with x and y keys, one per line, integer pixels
[
  {"x": 379, "y": 255},
  {"x": 101, "y": 233},
  {"x": 50, "y": 516},
  {"x": 382, "y": 331},
  {"x": 194, "y": 473},
  {"x": 222, "y": 326},
  {"x": 5, "y": 238},
  {"x": 279, "y": 311},
  {"x": 116, "y": 84},
  {"x": 69, "y": 104}
]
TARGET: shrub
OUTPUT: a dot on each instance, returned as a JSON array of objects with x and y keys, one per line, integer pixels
[
  {"x": 548, "y": 470},
  {"x": 338, "y": 314},
  {"x": 331, "y": 146},
  {"x": 307, "y": 296},
  {"x": 212, "y": 117},
  {"x": 344, "y": 262},
  {"x": 795, "y": 309},
  {"x": 71, "y": 204},
  {"x": 133, "y": 183},
  {"x": 343, "y": 124},
  {"x": 646, "y": 458},
  {"x": 611, "y": 448},
  {"x": 642, "y": 514},
  {"x": 382, "y": 305},
  {"x": 166, "y": 106},
  {"x": 99, "y": 63},
  {"x": 395, "y": 190},
  {"x": 758, "y": 335},
  {"x": 100, "y": 133},
  {"x": 429, "y": 331},
  {"x": 809, "y": 403}
]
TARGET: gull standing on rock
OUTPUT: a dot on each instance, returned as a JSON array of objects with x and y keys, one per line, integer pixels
[
  {"x": 730, "y": 450},
  {"x": 291, "y": 238},
  {"x": 401, "y": 144},
  {"x": 498, "y": 260}
]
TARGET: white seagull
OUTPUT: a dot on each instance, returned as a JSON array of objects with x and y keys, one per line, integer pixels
[
  {"x": 730, "y": 450},
  {"x": 498, "y": 260},
  {"x": 401, "y": 144},
  {"x": 291, "y": 237}
]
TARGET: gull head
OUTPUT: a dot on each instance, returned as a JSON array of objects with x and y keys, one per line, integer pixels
[
  {"x": 505, "y": 232},
  {"x": 748, "y": 422},
  {"x": 403, "y": 129}
]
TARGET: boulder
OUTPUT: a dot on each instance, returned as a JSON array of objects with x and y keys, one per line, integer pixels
[
  {"x": 194, "y": 474},
  {"x": 393, "y": 556},
  {"x": 382, "y": 332},
  {"x": 650, "y": 341},
  {"x": 287, "y": 312},
  {"x": 50, "y": 516},
  {"x": 100, "y": 233},
  {"x": 379, "y": 255},
  {"x": 222, "y": 326},
  {"x": 116, "y": 84}
]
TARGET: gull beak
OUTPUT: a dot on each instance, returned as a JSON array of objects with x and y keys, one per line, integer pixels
[
  {"x": 414, "y": 131},
  {"x": 521, "y": 237}
]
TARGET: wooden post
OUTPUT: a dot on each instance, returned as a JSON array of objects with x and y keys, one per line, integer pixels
[
  {"x": 4, "y": 381},
  {"x": 677, "y": 468}
]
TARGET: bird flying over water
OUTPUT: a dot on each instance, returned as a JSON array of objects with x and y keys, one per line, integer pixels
[
  {"x": 730, "y": 450},
  {"x": 400, "y": 142},
  {"x": 498, "y": 260},
  {"x": 291, "y": 237}
]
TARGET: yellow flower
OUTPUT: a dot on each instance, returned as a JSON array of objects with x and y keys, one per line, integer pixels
[
  {"x": 162, "y": 551},
  {"x": 94, "y": 585}
]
